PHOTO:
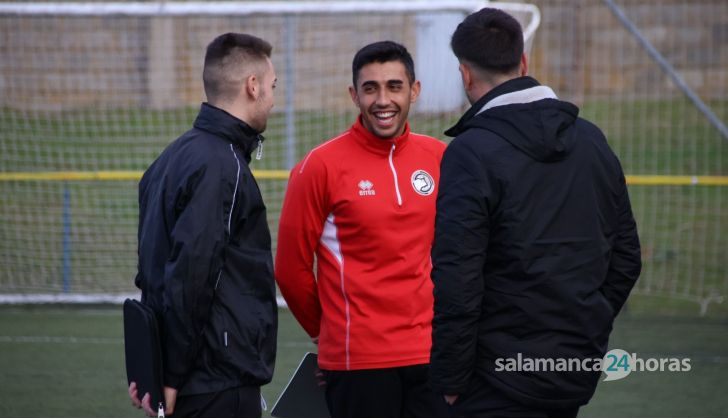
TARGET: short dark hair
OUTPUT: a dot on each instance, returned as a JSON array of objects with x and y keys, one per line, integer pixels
[
  {"x": 226, "y": 57},
  {"x": 490, "y": 39},
  {"x": 381, "y": 52}
]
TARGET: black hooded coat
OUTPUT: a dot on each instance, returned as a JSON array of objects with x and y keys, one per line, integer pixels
[{"x": 536, "y": 248}]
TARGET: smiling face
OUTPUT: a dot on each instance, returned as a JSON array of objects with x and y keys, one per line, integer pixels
[{"x": 384, "y": 94}]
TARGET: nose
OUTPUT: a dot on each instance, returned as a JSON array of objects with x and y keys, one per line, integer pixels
[{"x": 383, "y": 98}]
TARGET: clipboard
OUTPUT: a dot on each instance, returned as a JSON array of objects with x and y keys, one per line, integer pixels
[
  {"x": 143, "y": 351},
  {"x": 302, "y": 396}
]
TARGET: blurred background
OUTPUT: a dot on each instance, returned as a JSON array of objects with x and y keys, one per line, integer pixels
[{"x": 91, "y": 93}]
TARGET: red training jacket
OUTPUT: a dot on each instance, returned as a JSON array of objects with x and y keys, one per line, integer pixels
[{"x": 365, "y": 207}]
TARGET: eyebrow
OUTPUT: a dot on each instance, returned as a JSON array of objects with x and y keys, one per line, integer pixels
[{"x": 389, "y": 82}]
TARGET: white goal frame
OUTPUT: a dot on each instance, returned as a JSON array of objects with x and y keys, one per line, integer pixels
[{"x": 238, "y": 8}]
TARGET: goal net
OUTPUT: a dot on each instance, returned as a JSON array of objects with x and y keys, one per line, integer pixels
[
  {"x": 612, "y": 58},
  {"x": 91, "y": 93}
]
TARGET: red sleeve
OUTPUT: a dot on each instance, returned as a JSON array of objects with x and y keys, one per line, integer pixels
[{"x": 303, "y": 214}]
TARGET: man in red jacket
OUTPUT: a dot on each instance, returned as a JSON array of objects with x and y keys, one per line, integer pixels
[{"x": 363, "y": 203}]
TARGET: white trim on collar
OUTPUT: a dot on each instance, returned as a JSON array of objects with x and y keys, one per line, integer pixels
[{"x": 522, "y": 96}]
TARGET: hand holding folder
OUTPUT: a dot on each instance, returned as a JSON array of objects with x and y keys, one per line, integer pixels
[{"x": 143, "y": 355}]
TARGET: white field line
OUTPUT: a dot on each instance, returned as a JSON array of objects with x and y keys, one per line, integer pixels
[{"x": 46, "y": 339}]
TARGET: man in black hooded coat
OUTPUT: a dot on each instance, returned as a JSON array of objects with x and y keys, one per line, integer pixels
[{"x": 536, "y": 248}]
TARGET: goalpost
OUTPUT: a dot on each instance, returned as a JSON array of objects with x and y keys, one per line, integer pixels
[{"x": 92, "y": 92}]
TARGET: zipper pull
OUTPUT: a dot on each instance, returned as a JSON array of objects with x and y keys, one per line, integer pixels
[
  {"x": 263, "y": 403},
  {"x": 259, "y": 154},
  {"x": 160, "y": 410}
]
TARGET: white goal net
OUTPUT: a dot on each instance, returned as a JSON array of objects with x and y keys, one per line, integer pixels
[{"x": 90, "y": 93}]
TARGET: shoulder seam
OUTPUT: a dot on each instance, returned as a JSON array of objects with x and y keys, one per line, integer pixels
[
  {"x": 424, "y": 136},
  {"x": 310, "y": 153}
]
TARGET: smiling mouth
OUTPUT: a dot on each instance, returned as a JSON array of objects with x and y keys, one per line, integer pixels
[{"x": 385, "y": 118}]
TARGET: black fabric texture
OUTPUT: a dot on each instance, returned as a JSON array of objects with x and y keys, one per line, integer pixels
[
  {"x": 205, "y": 262},
  {"x": 535, "y": 252}
]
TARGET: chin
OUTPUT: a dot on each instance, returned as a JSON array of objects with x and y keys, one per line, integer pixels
[
  {"x": 385, "y": 135},
  {"x": 258, "y": 127}
]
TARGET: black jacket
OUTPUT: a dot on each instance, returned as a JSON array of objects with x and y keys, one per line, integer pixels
[
  {"x": 205, "y": 263},
  {"x": 535, "y": 251}
]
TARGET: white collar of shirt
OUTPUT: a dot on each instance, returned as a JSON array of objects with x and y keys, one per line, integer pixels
[{"x": 522, "y": 96}]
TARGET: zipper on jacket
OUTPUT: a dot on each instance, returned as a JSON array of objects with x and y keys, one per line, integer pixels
[
  {"x": 394, "y": 173},
  {"x": 259, "y": 153}
]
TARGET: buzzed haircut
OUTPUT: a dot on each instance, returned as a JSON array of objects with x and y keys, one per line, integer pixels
[
  {"x": 491, "y": 40},
  {"x": 381, "y": 52},
  {"x": 229, "y": 59}
]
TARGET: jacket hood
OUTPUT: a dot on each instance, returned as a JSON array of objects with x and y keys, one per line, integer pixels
[
  {"x": 221, "y": 123},
  {"x": 528, "y": 116}
]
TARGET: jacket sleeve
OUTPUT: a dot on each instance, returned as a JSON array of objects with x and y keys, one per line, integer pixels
[
  {"x": 458, "y": 255},
  {"x": 301, "y": 224},
  {"x": 197, "y": 234},
  {"x": 625, "y": 263}
]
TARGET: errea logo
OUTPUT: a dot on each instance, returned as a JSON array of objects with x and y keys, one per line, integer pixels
[{"x": 365, "y": 188}]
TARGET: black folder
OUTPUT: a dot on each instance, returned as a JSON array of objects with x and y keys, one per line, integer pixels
[
  {"x": 303, "y": 397},
  {"x": 143, "y": 351}
]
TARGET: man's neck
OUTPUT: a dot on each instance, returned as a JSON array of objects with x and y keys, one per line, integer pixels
[
  {"x": 481, "y": 88},
  {"x": 232, "y": 108}
]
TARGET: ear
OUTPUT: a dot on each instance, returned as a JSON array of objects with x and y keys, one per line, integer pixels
[
  {"x": 354, "y": 95},
  {"x": 467, "y": 76},
  {"x": 524, "y": 65},
  {"x": 252, "y": 87},
  {"x": 415, "y": 91}
]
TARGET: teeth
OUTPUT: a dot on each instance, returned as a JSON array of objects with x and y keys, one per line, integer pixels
[{"x": 384, "y": 115}]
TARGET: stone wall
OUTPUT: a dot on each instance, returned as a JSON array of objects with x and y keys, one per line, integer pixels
[
  {"x": 583, "y": 49},
  {"x": 60, "y": 63}
]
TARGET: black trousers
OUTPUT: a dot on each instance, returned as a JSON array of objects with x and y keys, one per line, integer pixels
[
  {"x": 399, "y": 392},
  {"x": 484, "y": 401},
  {"x": 242, "y": 402}
]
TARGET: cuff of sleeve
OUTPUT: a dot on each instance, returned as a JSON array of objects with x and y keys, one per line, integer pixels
[
  {"x": 450, "y": 390},
  {"x": 451, "y": 387},
  {"x": 173, "y": 381}
]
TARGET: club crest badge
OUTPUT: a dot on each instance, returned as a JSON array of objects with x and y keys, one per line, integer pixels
[{"x": 422, "y": 182}]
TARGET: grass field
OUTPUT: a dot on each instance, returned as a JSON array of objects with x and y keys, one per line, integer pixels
[
  {"x": 650, "y": 136},
  {"x": 684, "y": 229},
  {"x": 69, "y": 362}
]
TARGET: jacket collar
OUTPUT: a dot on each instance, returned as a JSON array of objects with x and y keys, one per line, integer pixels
[
  {"x": 529, "y": 95},
  {"x": 221, "y": 123},
  {"x": 510, "y": 86},
  {"x": 376, "y": 144}
]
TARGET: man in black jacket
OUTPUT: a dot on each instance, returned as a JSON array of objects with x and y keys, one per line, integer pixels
[
  {"x": 205, "y": 263},
  {"x": 536, "y": 248}
]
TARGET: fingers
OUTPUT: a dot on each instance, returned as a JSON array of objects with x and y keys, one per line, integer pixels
[
  {"x": 134, "y": 395},
  {"x": 147, "y": 407},
  {"x": 319, "y": 375}
]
